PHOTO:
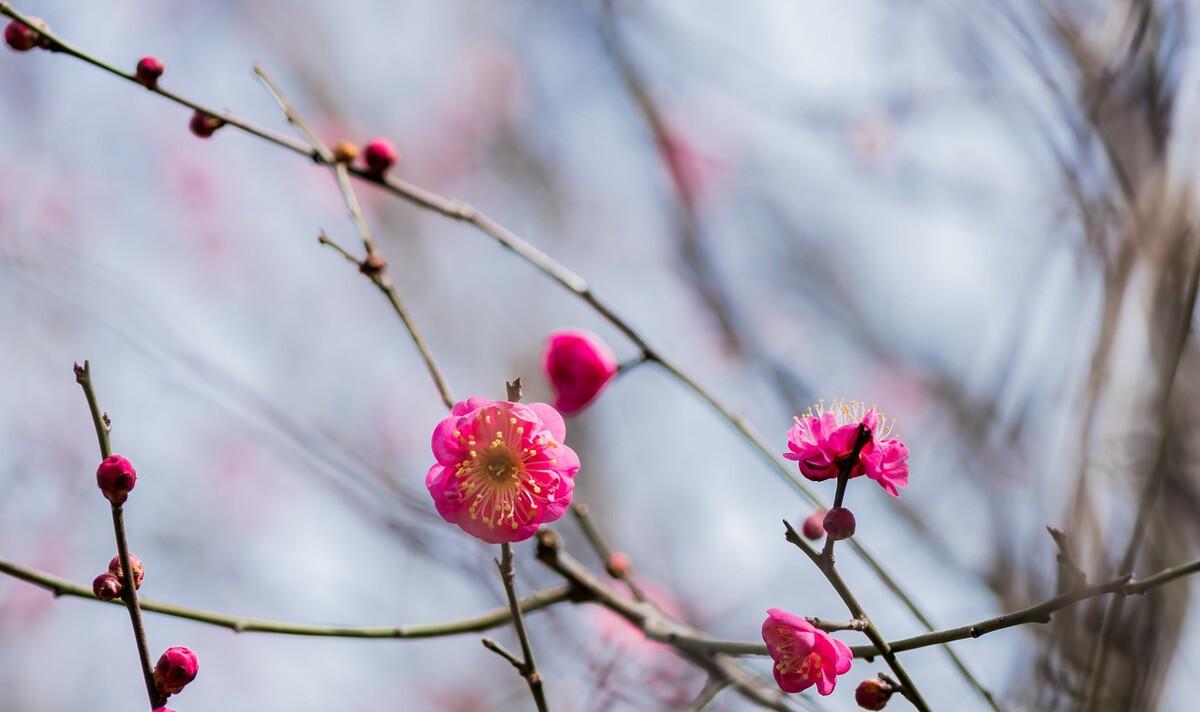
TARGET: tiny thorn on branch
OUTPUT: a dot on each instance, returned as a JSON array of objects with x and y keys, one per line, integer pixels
[{"x": 504, "y": 653}]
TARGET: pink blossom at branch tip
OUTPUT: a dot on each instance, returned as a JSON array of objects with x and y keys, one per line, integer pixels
[
  {"x": 139, "y": 571},
  {"x": 804, "y": 655},
  {"x": 106, "y": 587},
  {"x": 116, "y": 478},
  {"x": 379, "y": 155},
  {"x": 175, "y": 669},
  {"x": 149, "y": 69},
  {"x": 502, "y": 468},
  {"x": 204, "y": 125},
  {"x": 579, "y": 365},
  {"x": 814, "y": 525},
  {"x": 839, "y": 523},
  {"x": 822, "y": 439},
  {"x": 20, "y": 37}
]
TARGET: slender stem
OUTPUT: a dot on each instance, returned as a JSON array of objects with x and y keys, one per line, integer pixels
[
  {"x": 492, "y": 619},
  {"x": 824, "y": 561},
  {"x": 463, "y": 212},
  {"x": 83, "y": 376},
  {"x": 528, "y": 667},
  {"x": 592, "y": 534},
  {"x": 839, "y": 496},
  {"x": 373, "y": 267}
]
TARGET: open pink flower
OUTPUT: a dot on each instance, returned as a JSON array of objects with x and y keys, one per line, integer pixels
[
  {"x": 579, "y": 366},
  {"x": 804, "y": 655},
  {"x": 822, "y": 439},
  {"x": 502, "y": 468}
]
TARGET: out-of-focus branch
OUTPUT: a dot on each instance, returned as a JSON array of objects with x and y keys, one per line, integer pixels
[
  {"x": 83, "y": 376},
  {"x": 584, "y": 517}
]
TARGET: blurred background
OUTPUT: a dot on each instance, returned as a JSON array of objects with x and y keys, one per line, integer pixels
[{"x": 979, "y": 216}]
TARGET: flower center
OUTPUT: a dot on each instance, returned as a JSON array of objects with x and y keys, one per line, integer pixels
[
  {"x": 807, "y": 667},
  {"x": 500, "y": 465}
]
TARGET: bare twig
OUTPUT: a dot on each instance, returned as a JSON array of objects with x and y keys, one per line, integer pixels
[
  {"x": 373, "y": 266},
  {"x": 526, "y": 666},
  {"x": 584, "y": 517},
  {"x": 238, "y": 624},
  {"x": 83, "y": 376}
]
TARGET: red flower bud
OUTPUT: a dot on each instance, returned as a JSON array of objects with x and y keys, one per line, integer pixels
[
  {"x": 873, "y": 694},
  {"x": 839, "y": 523},
  {"x": 116, "y": 478},
  {"x": 106, "y": 587},
  {"x": 139, "y": 571},
  {"x": 379, "y": 155},
  {"x": 149, "y": 69},
  {"x": 175, "y": 669},
  {"x": 618, "y": 564},
  {"x": 21, "y": 37},
  {"x": 162, "y": 709},
  {"x": 814, "y": 526},
  {"x": 204, "y": 125}
]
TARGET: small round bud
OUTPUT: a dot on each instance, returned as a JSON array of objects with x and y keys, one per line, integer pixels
[
  {"x": 839, "y": 523},
  {"x": 175, "y": 669},
  {"x": 149, "y": 69},
  {"x": 814, "y": 526},
  {"x": 204, "y": 125},
  {"x": 374, "y": 264},
  {"x": 873, "y": 694},
  {"x": 379, "y": 155},
  {"x": 106, "y": 587},
  {"x": 345, "y": 152},
  {"x": 22, "y": 38},
  {"x": 162, "y": 709},
  {"x": 618, "y": 564},
  {"x": 116, "y": 478},
  {"x": 139, "y": 571}
]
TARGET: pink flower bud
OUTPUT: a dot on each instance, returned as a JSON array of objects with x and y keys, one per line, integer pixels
[
  {"x": 149, "y": 69},
  {"x": 618, "y": 564},
  {"x": 345, "y": 152},
  {"x": 106, "y": 587},
  {"x": 20, "y": 37},
  {"x": 116, "y": 478},
  {"x": 873, "y": 694},
  {"x": 814, "y": 526},
  {"x": 139, "y": 572},
  {"x": 175, "y": 669},
  {"x": 579, "y": 366},
  {"x": 379, "y": 155},
  {"x": 839, "y": 523},
  {"x": 162, "y": 709},
  {"x": 204, "y": 125}
]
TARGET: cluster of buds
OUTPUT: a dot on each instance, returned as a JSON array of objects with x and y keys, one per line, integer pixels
[{"x": 111, "y": 583}]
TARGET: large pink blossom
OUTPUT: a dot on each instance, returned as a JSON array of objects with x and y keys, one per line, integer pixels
[
  {"x": 822, "y": 439},
  {"x": 578, "y": 365},
  {"x": 804, "y": 655},
  {"x": 502, "y": 468}
]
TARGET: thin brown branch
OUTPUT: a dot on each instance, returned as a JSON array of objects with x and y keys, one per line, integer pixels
[
  {"x": 592, "y": 534},
  {"x": 83, "y": 376},
  {"x": 526, "y": 666},
  {"x": 492, "y": 619}
]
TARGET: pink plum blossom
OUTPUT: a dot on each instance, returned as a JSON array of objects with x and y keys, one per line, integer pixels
[
  {"x": 804, "y": 655},
  {"x": 502, "y": 468},
  {"x": 822, "y": 439},
  {"x": 579, "y": 366}
]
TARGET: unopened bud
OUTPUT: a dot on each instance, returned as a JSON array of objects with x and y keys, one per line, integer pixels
[{"x": 839, "y": 523}]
